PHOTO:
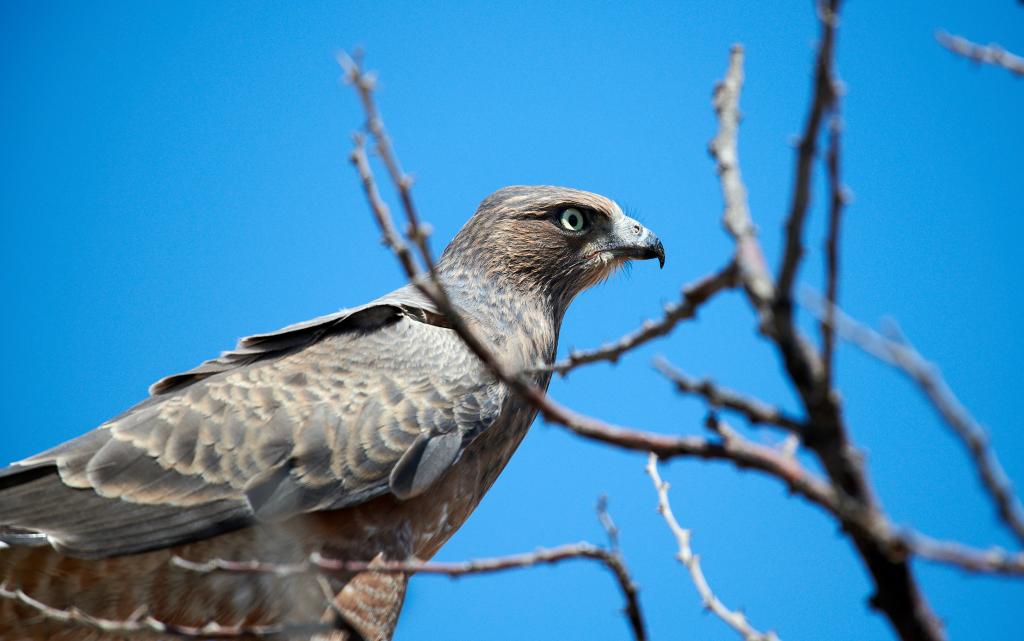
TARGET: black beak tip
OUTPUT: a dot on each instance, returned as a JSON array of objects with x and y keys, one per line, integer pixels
[{"x": 657, "y": 251}]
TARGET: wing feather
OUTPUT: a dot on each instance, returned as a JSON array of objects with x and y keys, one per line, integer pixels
[{"x": 317, "y": 416}]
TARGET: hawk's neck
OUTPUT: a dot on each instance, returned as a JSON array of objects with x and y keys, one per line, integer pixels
[{"x": 521, "y": 323}]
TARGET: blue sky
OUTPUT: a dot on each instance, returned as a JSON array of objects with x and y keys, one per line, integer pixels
[{"x": 174, "y": 175}]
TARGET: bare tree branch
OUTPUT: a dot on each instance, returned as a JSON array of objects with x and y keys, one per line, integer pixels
[
  {"x": 992, "y": 561},
  {"x": 733, "y": 618},
  {"x": 753, "y": 269},
  {"x": 430, "y": 287},
  {"x": 694, "y": 295},
  {"x": 607, "y": 523},
  {"x": 317, "y": 564},
  {"x": 140, "y": 622},
  {"x": 365, "y": 84},
  {"x": 731, "y": 447},
  {"x": 381, "y": 213},
  {"x": 756, "y": 411},
  {"x": 837, "y": 199},
  {"x": 869, "y": 525},
  {"x": 991, "y": 54},
  {"x": 905, "y": 358},
  {"x": 897, "y": 594},
  {"x": 824, "y": 94}
]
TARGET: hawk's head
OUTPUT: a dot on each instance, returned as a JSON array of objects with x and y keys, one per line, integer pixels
[{"x": 553, "y": 241}]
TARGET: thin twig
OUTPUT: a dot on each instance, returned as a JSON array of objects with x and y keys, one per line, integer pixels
[
  {"x": 991, "y": 54},
  {"x": 607, "y": 523},
  {"x": 365, "y": 84},
  {"x": 381, "y": 213},
  {"x": 733, "y": 618},
  {"x": 621, "y": 572},
  {"x": 992, "y": 561},
  {"x": 906, "y": 359},
  {"x": 822, "y": 100},
  {"x": 431, "y": 287},
  {"x": 753, "y": 270},
  {"x": 317, "y": 564},
  {"x": 837, "y": 198},
  {"x": 756, "y": 411},
  {"x": 140, "y": 622},
  {"x": 693, "y": 297},
  {"x": 416, "y": 231}
]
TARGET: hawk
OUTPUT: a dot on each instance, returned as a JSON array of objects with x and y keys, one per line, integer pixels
[{"x": 368, "y": 435}]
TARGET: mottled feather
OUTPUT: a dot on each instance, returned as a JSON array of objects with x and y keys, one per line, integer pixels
[{"x": 320, "y": 427}]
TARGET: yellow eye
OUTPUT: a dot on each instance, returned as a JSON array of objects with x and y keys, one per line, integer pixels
[{"x": 572, "y": 219}]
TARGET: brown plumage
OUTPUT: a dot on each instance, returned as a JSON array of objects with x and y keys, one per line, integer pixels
[{"x": 368, "y": 434}]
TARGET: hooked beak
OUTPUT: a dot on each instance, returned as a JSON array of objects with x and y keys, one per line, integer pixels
[{"x": 633, "y": 241}]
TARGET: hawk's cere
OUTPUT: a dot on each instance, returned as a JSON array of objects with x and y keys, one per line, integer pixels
[{"x": 367, "y": 434}]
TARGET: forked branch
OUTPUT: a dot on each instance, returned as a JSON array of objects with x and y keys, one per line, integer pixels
[
  {"x": 822, "y": 100},
  {"x": 903, "y": 356},
  {"x": 897, "y": 593}
]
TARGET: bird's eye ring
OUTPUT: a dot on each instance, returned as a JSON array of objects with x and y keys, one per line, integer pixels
[{"x": 572, "y": 219}]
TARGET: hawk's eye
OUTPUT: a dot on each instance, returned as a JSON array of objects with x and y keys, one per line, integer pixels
[{"x": 573, "y": 219}]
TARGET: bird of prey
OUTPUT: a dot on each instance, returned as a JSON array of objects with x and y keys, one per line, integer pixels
[{"x": 367, "y": 435}]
